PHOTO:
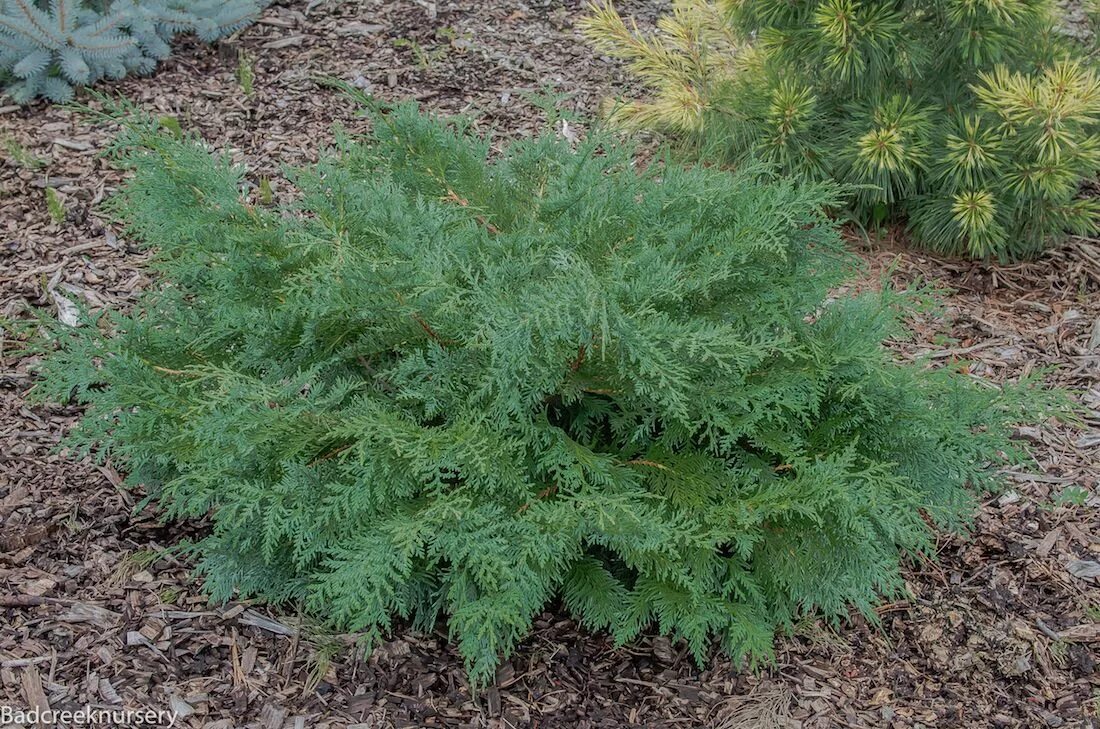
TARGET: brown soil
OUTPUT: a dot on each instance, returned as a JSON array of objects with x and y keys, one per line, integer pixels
[{"x": 1001, "y": 631}]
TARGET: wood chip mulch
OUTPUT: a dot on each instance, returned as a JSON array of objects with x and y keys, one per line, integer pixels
[{"x": 1001, "y": 631}]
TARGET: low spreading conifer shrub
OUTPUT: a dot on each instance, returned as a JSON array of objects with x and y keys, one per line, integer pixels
[
  {"x": 450, "y": 384},
  {"x": 974, "y": 122}
]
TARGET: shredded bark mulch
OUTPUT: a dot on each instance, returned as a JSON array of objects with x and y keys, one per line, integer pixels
[{"x": 1000, "y": 631}]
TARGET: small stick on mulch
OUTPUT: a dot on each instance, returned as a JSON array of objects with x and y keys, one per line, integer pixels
[{"x": 22, "y": 601}]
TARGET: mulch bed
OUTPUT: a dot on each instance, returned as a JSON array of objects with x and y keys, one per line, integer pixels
[{"x": 1001, "y": 630}]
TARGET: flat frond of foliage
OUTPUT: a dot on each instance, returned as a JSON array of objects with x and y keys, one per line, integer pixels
[
  {"x": 447, "y": 384},
  {"x": 974, "y": 123}
]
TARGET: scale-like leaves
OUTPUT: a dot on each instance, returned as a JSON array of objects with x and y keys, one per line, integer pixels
[{"x": 452, "y": 384}]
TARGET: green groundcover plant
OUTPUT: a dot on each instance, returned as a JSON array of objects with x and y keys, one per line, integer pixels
[
  {"x": 972, "y": 121},
  {"x": 445, "y": 383}
]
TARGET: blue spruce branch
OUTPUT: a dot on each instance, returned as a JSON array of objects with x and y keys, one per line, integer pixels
[{"x": 47, "y": 50}]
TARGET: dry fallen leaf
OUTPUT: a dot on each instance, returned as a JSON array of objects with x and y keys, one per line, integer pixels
[
  {"x": 290, "y": 40},
  {"x": 1084, "y": 568},
  {"x": 39, "y": 587},
  {"x": 82, "y": 612},
  {"x": 67, "y": 313},
  {"x": 180, "y": 707}
]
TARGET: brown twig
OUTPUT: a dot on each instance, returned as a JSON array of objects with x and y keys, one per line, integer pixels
[
  {"x": 548, "y": 491},
  {"x": 644, "y": 462},
  {"x": 22, "y": 601},
  {"x": 330, "y": 454},
  {"x": 423, "y": 324},
  {"x": 428, "y": 328},
  {"x": 578, "y": 360},
  {"x": 454, "y": 197}
]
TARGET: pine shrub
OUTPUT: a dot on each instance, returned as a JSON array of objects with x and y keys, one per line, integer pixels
[
  {"x": 46, "y": 48},
  {"x": 446, "y": 383},
  {"x": 973, "y": 121}
]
